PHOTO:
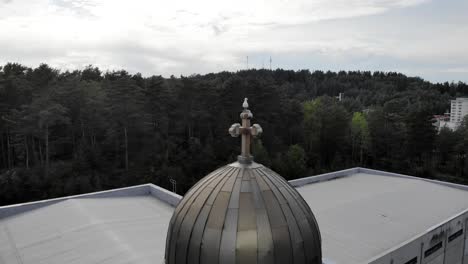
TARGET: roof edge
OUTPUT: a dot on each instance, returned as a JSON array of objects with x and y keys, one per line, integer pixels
[
  {"x": 391, "y": 174},
  {"x": 138, "y": 190},
  {"x": 164, "y": 195},
  {"x": 347, "y": 172},
  {"x": 324, "y": 177}
]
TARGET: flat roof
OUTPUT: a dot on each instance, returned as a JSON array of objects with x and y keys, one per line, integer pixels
[
  {"x": 364, "y": 215},
  {"x": 361, "y": 213},
  {"x": 121, "y": 226}
]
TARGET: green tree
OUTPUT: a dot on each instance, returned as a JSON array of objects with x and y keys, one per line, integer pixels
[
  {"x": 359, "y": 137},
  {"x": 420, "y": 139},
  {"x": 260, "y": 153},
  {"x": 158, "y": 104},
  {"x": 461, "y": 148},
  {"x": 295, "y": 162},
  {"x": 387, "y": 134},
  {"x": 46, "y": 114},
  {"x": 325, "y": 126},
  {"x": 94, "y": 131},
  {"x": 445, "y": 146},
  {"x": 125, "y": 108}
]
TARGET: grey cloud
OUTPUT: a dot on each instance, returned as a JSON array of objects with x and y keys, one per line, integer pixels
[
  {"x": 14, "y": 51},
  {"x": 183, "y": 11},
  {"x": 219, "y": 25},
  {"x": 129, "y": 56},
  {"x": 139, "y": 49},
  {"x": 78, "y": 7},
  {"x": 219, "y": 29},
  {"x": 265, "y": 24},
  {"x": 165, "y": 61},
  {"x": 158, "y": 28}
]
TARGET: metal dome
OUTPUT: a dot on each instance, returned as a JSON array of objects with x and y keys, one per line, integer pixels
[{"x": 243, "y": 213}]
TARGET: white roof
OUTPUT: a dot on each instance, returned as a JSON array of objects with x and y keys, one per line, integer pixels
[
  {"x": 364, "y": 215},
  {"x": 119, "y": 227},
  {"x": 361, "y": 214}
]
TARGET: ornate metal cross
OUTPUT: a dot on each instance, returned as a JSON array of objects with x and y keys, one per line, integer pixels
[{"x": 247, "y": 133}]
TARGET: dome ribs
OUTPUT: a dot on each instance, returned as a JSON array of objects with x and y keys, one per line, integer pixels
[
  {"x": 243, "y": 214},
  {"x": 301, "y": 215},
  {"x": 191, "y": 193},
  {"x": 312, "y": 222},
  {"x": 192, "y": 208},
  {"x": 229, "y": 236},
  {"x": 295, "y": 236},
  {"x": 227, "y": 253},
  {"x": 205, "y": 240},
  {"x": 173, "y": 230},
  {"x": 246, "y": 245},
  {"x": 209, "y": 251},
  {"x": 265, "y": 249},
  {"x": 278, "y": 223}
]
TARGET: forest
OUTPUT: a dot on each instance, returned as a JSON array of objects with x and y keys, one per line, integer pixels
[{"x": 72, "y": 132}]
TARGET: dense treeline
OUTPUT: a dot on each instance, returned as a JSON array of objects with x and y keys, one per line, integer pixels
[{"x": 64, "y": 133}]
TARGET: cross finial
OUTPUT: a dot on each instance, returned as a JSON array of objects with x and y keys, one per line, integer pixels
[{"x": 247, "y": 133}]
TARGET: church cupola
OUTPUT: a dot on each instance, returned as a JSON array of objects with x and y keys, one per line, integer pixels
[{"x": 243, "y": 213}]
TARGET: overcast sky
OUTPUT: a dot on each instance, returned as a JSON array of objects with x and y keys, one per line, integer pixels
[{"x": 427, "y": 38}]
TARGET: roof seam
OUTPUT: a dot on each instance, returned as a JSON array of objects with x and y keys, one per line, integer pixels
[{"x": 13, "y": 244}]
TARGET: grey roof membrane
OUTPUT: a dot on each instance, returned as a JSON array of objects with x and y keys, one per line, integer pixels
[
  {"x": 95, "y": 230},
  {"x": 122, "y": 226},
  {"x": 364, "y": 215},
  {"x": 360, "y": 216}
]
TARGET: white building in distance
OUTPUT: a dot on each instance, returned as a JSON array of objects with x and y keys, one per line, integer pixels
[
  {"x": 458, "y": 110},
  {"x": 440, "y": 121}
]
